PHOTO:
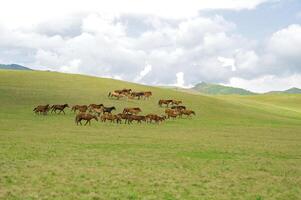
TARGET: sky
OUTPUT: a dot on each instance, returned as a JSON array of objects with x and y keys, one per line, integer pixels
[{"x": 252, "y": 44}]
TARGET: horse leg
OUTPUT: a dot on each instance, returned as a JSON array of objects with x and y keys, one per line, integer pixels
[{"x": 64, "y": 112}]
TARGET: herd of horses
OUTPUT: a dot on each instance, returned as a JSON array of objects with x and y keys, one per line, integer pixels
[
  {"x": 99, "y": 112},
  {"x": 128, "y": 93}
]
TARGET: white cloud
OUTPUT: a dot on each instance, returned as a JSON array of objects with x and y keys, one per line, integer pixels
[
  {"x": 180, "y": 79},
  {"x": 227, "y": 62},
  {"x": 147, "y": 69},
  {"x": 17, "y": 13}
]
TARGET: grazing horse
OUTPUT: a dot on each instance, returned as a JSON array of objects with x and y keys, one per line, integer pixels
[
  {"x": 42, "y": 109},
  {"x": 147, "y": 94},
  {"x": 108, "y": 109},
  {"x": 117, "y": 95},
  {"x": 175, "y": 102},
  {"x": 59, "y": 107},
  {"x": 137, "y": 94},
  {"x": 178, "y": 107},
  {"x": 166, "y": 102},
  {"x": 131, "y": 110},
  {"x": 82, "y": 108},
  {"x": 83, "y": 116},
  {"x": 188, "y": 113}
]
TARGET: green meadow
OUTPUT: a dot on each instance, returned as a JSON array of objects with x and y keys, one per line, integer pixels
[{"x": 236, "y": 147}]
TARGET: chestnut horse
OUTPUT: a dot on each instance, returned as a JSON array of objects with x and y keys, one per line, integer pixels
[{"x": 83, "y": 116}]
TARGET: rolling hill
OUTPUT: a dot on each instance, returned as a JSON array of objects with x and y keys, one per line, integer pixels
[
  {"x": 13, "y": 67},
  {"x": 236, "y": 147},
  {"x": 215, "y": 89},
  {"x": 293, "y": 90}
]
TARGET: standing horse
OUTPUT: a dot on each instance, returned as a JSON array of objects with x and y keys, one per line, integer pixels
[{"x": 166, "y": 102}]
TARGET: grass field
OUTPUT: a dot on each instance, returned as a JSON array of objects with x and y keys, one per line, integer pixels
[{"x": 235, "y": 148}]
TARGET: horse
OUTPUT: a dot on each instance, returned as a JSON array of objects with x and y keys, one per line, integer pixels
[
  {"x": 111, "y": 118},
  {"x": 92, "y": 106},
  {"x": 135, "y": 110},
  {"x": 98, "y": 111},
  {"x": 61, "y": 108},
  {"x": 166, "y": 102},
  {"x": 172, "y": 113},
  {"x": 83, "y": 116},
  {"x": 117, "y": 95},
  {"x": 188, "y": 113},
  {"x": 178, "y": 107},
  {"x": 108, "y": 109},
  {"x": 147, "y": 94},
  {"x": 175, "y": 102},
  {"x": 156, "y": 118},
  {"x": 137, "y": 94},
  {"x": 81, "y": 108},
  {"x": 42, "y": 109},
  {"x": 137, "y": 118}
]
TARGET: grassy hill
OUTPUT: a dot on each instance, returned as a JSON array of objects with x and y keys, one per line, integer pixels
[
  {"x": 244, "y": 147},
  {"x": 288, "y": 91},
  {"x": 14, "y": 67},
  {"x": 214, "y": 89}
]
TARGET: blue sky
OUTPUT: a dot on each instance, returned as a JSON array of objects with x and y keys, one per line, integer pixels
[
  {"x": 253, "y": 44},
  {"x": 267, "y": 18}
]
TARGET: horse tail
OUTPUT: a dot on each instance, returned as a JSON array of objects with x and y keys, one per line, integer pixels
[
  {"x": 34, "y": 109},
  {"x": 109, "y": 94}
]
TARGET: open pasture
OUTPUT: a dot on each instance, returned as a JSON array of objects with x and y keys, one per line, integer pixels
[{"x": 234, "y": 148}]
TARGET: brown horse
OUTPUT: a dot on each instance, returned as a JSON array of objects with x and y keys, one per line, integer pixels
[
  {"x": 83, "y": 116},
  {"x": 188, "y": 113},
  {"x": 166, "y": 102},
  {"x": 175, "y": 102},
  {"x": 81, "y": 108},
  {"x": 41, "y": 109},
  {"x": 137, "y": 118},
  {"x": 117, "y": 95},
  {"x": 154, "y": 117},
  {"x": 111, "y": 118},
  {"x": 97, "y": 111},
  {"x": 98, "y": 106},
  {"x": 178, "y": 107},
  {"x": 172, "y": 113},
  {"x": 137, "y": 94},
  {"x": 147, "y": 94},
  {"x": 135, "y": 110},
  {"x": 61, "y": 108}
]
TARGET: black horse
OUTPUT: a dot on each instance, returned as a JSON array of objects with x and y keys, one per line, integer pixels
[{"x": 108, "y": 109}]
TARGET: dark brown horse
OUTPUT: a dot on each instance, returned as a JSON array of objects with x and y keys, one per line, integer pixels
[
  {"x": 92, "y": 106},
  {"x": 137, "y": 94},
  {"x": 41, "y": 109},
  {"x": 108, "y": 109},
  {"x": 61, "y": 108},
  {"x": 188, "y": 113},
  {"x": 83, "y": 116}
]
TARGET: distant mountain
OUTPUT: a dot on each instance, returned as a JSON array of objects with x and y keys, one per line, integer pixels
[
  {"x": 14, "y": 67},
  {"x": 293, "y": 90},
  {"x": 215, "y": 89}
]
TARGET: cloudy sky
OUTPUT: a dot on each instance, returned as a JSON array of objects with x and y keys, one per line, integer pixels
[{"x": 254, "y": 44}]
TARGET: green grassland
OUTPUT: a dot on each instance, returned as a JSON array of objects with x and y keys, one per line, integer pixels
[{"x": 234, "y": 148}]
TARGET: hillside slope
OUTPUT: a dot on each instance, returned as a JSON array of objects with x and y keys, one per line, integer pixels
[
  {"x": 214, "y": 89},
  {"x": 231, "y": 149}
]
